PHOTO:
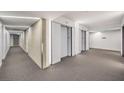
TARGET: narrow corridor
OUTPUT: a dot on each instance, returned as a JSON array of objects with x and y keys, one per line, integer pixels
[{"x": 17, "y": 66}]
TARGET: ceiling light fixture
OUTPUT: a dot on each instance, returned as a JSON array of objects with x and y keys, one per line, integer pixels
[
  {"x": 98, "y": 33},
  {"x": 15, "y": 26},
  {"x": 20, "y": 17}
]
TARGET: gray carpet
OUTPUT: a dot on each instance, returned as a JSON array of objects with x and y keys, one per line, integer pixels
[{"x": 95, "y": 65}]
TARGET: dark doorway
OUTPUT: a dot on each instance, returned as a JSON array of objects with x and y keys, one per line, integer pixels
[{"x": 15, "y": 40}]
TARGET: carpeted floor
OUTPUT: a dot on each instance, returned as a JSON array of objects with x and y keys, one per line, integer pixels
[{"x": 95, "y": 65}]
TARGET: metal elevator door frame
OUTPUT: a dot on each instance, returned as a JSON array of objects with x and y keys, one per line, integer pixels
[
  {"x": 83, "y": 40},
  {"x": 69, "y": 39}
]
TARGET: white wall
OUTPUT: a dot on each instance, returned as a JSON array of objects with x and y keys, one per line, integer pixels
[
  {"x": 56, "y": 42},
  {"x": 27, "y": 39},
  {"x": 48, "y": 42},
  {"x": 22, "y": 40},
  {"x": 34, "y": 42},
  {"x": 77, "y": 38},
  {"x": 6, "y": 42},
  {"x": 0, "y": 43},
  {"x": 112, "y": 41},
  {"x": 11, "y": 40}
]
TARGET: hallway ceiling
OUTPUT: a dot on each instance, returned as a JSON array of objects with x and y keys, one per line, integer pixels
[
  {"x": 93, "y": 20},
  {"x": 17, "y": 23},
  {"x": 98, "y": 20},
  {"x": 39, "y": 14},
  {"x": 8, "y": 20},
  {"x": 25, "y": 18}
]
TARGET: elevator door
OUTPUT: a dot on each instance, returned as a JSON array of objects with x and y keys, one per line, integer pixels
[
  {"x": 69, "y": 41},
  {"x": 83, "y": 40},
  {"x": 66, "y": 41},
  {"x": 64, "y": 46}
]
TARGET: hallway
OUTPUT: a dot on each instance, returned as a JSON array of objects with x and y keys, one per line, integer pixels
[
  {"x": 17, "y": 66},
  {"x": 95, "y": 65}
]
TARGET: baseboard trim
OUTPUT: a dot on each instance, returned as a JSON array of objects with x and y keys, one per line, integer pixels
[
  {"x": 106, "y": 49},
  {"x": 23, "y": 50},
  {"x": 56, "y": 61},
  {"x": 45, "y": 67}
]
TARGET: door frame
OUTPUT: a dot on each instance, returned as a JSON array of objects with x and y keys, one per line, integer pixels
[{"x": 67, "y": 35}]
